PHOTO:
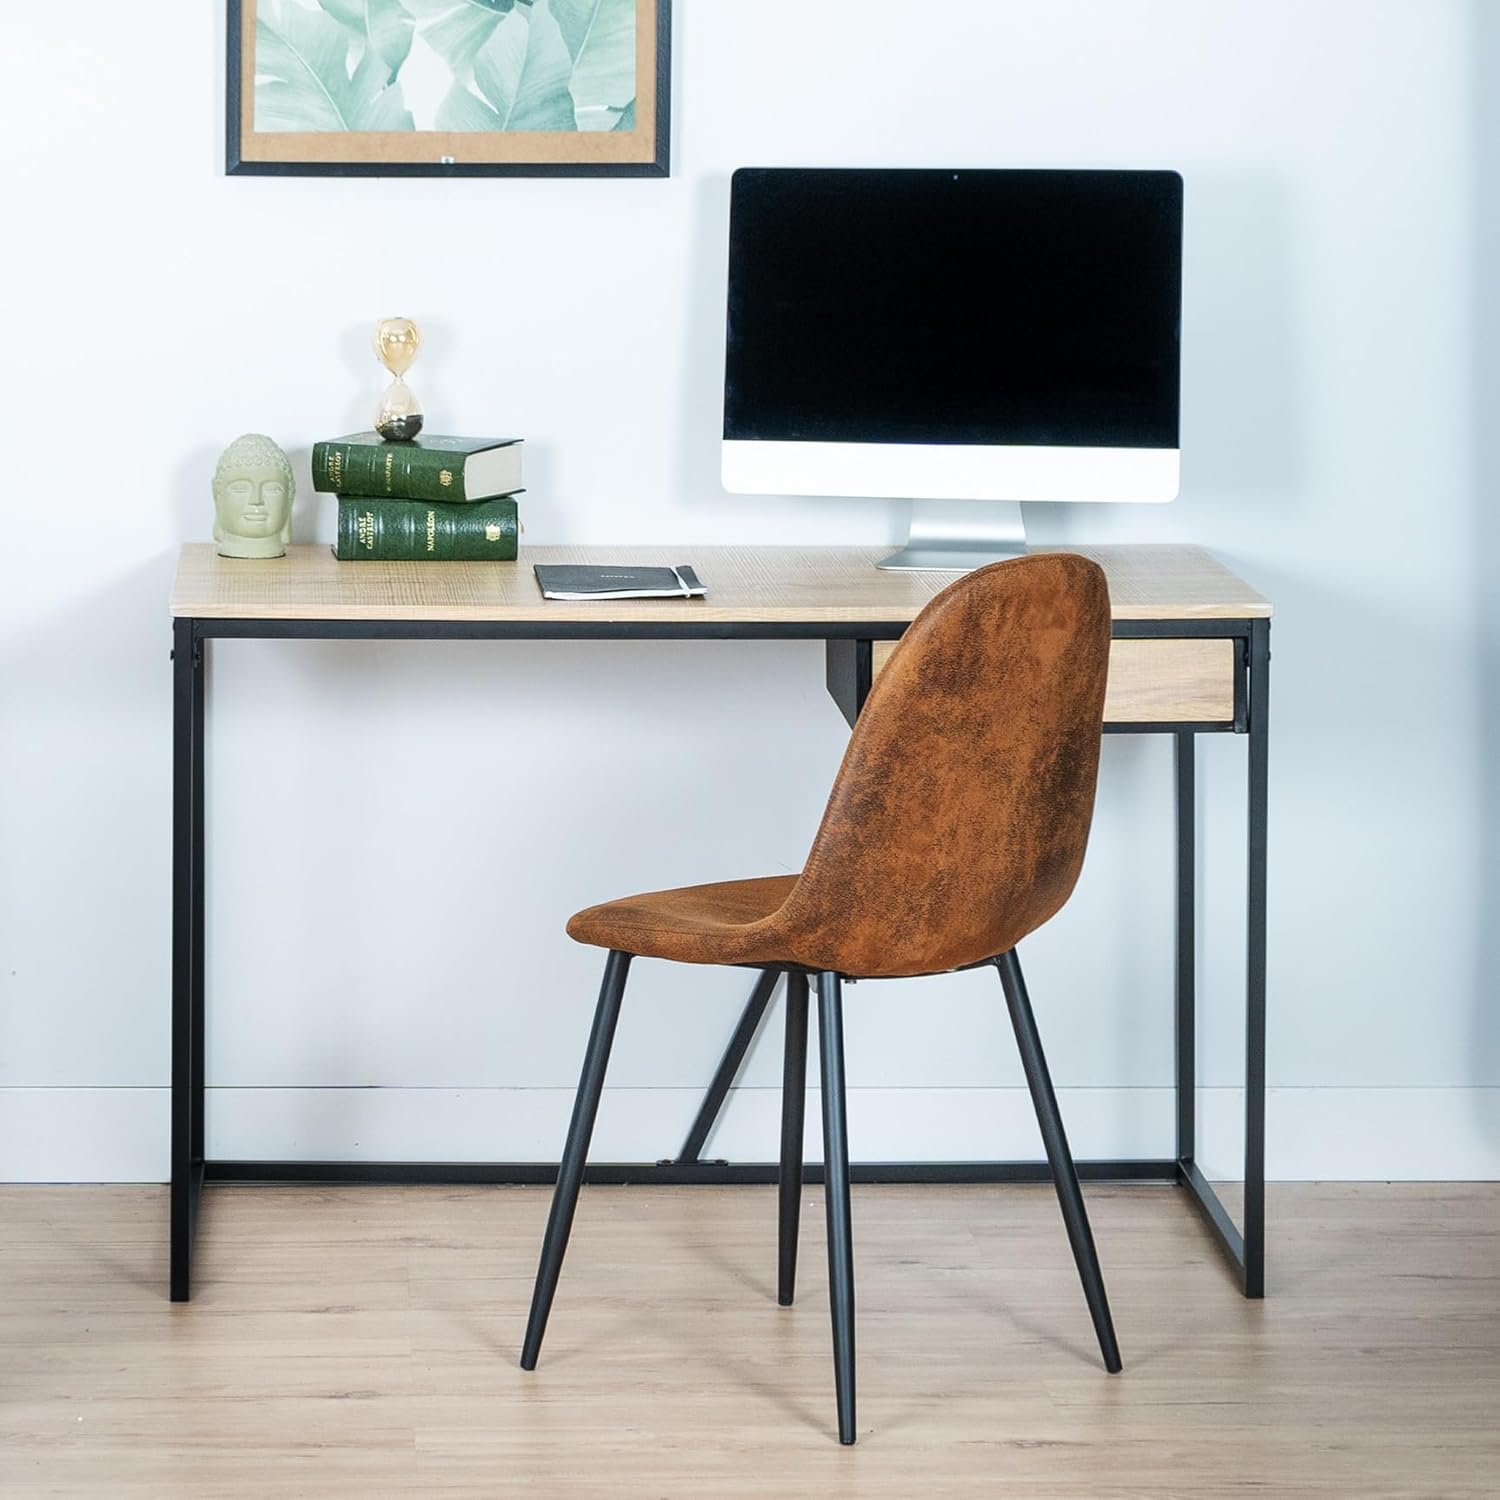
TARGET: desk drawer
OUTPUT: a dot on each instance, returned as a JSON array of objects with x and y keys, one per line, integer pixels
[{"x": 1181, "y": 681}]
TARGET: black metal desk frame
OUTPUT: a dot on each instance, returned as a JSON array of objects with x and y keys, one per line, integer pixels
[{"x": 849, "y": 652}]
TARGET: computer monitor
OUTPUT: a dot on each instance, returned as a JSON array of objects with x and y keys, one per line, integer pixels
[{"x": 954, "y": 336}]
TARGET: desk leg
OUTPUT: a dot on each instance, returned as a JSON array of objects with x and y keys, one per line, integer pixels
[
  {"x": 187, "y": 949},
  {"x": 1255, "y": 966},
  {"x": 729, "y": 1066},
  {"x": 1245, "y": 1248},
  {"x": 1186, "y": 751}
]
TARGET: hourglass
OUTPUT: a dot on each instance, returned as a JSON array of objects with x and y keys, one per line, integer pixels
[{"x": 398, "y": 418}]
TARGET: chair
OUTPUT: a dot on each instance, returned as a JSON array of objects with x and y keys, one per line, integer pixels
[{"x": 956, "y": 825}]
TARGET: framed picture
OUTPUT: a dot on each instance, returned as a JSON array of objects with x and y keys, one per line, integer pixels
[{"x": 449, "y": 88}]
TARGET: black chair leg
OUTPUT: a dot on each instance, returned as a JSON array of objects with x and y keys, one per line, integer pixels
[
  {"x": 570, "y": 1173},
  {"x": 793, "y": 1110},
  {"x": 1064, "y": 1174},
  {"x": 836, "y": 1196}
]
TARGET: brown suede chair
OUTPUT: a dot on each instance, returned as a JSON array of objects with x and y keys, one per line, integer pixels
[{"x": 957, "y": 824}]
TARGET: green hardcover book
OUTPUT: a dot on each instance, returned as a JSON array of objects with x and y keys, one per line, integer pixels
[
  {"x": 451, "y": 469},
  {"x": 374, "y": 529}
]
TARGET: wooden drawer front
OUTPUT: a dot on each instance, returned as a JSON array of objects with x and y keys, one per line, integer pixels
[{"x": 1182, "y": 681}]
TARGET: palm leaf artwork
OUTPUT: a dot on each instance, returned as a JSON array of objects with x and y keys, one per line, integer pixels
[
  {"x": 384, "y": 25},
  {"x": 458, "y": 29},
  {"x": 446, "y": 65},
  {"x": 302, "y": 76},
  {"x": 521, "y": 79},
  {"x": 600, "y": 37}
]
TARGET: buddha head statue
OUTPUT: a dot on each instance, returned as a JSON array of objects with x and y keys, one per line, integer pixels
[{"x": 253, "y": 494}]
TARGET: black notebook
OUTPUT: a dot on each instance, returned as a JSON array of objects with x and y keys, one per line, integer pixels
[{"x": 601, "y": 581}]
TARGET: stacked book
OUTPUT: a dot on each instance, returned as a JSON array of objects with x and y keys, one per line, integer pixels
[{"x": 433, "y": 499}]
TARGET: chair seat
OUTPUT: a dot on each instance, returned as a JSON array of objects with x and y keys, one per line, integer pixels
[{"x": 728, "y": 922}]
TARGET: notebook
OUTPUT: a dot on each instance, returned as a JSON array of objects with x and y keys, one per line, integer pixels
[{"x": 603, "y": 581}]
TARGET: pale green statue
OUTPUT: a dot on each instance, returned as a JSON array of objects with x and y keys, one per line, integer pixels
[{"x": 253, "y": 493}]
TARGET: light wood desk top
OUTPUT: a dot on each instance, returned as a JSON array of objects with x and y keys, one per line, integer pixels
[{"x": 745, "y": 585}]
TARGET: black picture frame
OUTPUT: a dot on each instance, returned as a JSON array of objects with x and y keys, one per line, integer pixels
[{"x": 246, "y": 151}]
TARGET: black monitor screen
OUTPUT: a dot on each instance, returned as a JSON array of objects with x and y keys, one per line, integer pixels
[{"x": 977, "y": 307}]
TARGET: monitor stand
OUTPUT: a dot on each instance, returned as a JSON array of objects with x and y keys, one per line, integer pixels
[{"x": 957, "y": 536}]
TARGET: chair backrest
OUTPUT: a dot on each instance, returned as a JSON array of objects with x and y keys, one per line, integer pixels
[{"x": 959, "y": 818}]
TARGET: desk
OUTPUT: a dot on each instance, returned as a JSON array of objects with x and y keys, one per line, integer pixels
[{"x": 1190, "y": 656}]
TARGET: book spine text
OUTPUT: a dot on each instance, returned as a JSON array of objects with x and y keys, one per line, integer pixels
[
  {"x": 397, "y": 470},
  {"x": 375, "y": 529}
]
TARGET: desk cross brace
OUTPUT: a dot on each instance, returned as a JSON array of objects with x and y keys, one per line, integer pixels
[{"x": 849, "y": 677}]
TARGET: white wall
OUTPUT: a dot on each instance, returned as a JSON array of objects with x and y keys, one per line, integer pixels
[{"x": 398, "y": 831}]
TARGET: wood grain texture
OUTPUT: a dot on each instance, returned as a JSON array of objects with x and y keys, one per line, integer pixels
[
  {"x": 745, "y": 584},
  {"x": 1155, "y": 681},
  {"x": 363, "y": 1342}
]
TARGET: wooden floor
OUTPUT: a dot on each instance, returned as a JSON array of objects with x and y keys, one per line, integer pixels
[{"x": 363, "y": 1342}]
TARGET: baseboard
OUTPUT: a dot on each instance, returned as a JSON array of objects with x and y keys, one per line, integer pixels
[
  {"x": 84, "y": 1135},
  {"x": 121, "y": 1135}
]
